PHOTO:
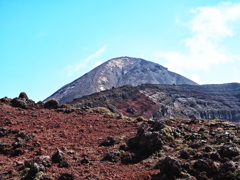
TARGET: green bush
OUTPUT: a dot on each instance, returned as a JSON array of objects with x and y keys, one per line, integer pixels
[
  {"x": 51, "y": 104},
  {"x": 141, "y": 119},
  {"x": 23, "y": 95}
]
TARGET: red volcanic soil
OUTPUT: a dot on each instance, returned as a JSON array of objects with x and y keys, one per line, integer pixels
[
  {"x": 78, "y": 134},
  {"x": 142, "y": 105}
]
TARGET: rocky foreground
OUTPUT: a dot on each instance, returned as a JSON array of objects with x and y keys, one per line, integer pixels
[{"x": 51, "y": 141}]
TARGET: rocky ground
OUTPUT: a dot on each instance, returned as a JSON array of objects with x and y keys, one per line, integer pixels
[{"x": 51, "y": 141}]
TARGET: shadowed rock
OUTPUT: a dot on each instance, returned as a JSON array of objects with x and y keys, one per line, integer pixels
[
  {"x": 58, "y": 156},
  {"x": 171, "y": 167},
  {"x": 108, "y": 141}
]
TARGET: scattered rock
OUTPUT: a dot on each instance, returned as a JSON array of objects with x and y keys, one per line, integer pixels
[
  {"x": 208, "y": 149},
  {"x": 206, "y": 165},
  {"x": 108, "y": 141},
  {"x": 17, "y": 152},
  {"x": 215, "y": 156},
  {"x": 147, "y": 140},
  {"x": 229, "y": 150},
  {"x": 58, "y": 156},
  {"x": 84, "y": 161},
  {"x": 19, "y": 102},
  {"x": 185, "y": 153},
  {"x": 66, "y": 176},
  {"x": 5, "y": 99},
  {"x": 227, "y": 170},
  {"x": 171, "y": 167},
  {"x": 193, "y": 120},
  {"x": 63, "y": 164},
  {"x": 41, "y": 160},
  {"x": 128, "y": 158},
  {"x": 35, "y": 168},
  {"x": 22, "y": 134},
  {"x": 130, "y": 110},
  {"x": 18, "y": 143},
  {"x": 112, "y": 156},
  {"x": 3, "y": 131}
]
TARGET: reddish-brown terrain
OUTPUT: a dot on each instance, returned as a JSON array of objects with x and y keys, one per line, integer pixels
[
  {"x": 97, "y": 144},
  {"x": 78, "y": 134}
]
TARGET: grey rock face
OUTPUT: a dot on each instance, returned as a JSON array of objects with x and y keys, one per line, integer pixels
[
  {"x": 115, "y": 73},
  {"x": 220, "y": 101}
]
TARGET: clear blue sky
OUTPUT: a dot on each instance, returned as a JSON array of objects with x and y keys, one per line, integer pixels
[{"x": 45, "y": 44}]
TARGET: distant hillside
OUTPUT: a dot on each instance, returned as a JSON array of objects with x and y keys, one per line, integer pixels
[
  {"x": 115, "y": 73},
  {"x": 220, "y": 101}
]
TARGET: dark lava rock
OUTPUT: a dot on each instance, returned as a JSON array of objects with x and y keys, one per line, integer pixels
[
  {"x": 112, "y": 156},
  {"x": 185, "y": 153},
  {"x": 18, "y": 143},
  {"x": 130, "y": 110},
  {"x": 198, "y": 143},
  {"x": 3, "y": 148},
  {"x": 193, "y": 120},
  {"x": 18, "y": 151},
  {"x": 171, "y": 167},
  {"x": 208, "y": 149},
  {"x": 128, "y": 158},
  {"x": 58, "y": 157},
  {"x": 41, "y": 160},
  {"x": 84, "y": 161},
  {"x": 147, "y": 140},
  {"x": 229, "y": 150},
  {"x": 5, "y": 99},
  {"x": 124, "y": 147},
  {"x": 22, "y": 134},
  {"x": 19, "y": 102},
  {"x": 229, "y": 166},
  {"x": 206, "y": 165},
  {"x": 227, "y": 170},
  {"x": 66, "y": 176},
  {"x": 24, "y": 103},
  {"x": 215, "y": 156},
  {"x": 158, "y": 125},
  {"x": 35, "y": 168},
  {"x": 109, "y": 141},
  {"x": 63, "y": 164},
  {"x": 3, "y": 131},
  {"x": 224, "y": 138},
  {"x": 36, "y": 165}
]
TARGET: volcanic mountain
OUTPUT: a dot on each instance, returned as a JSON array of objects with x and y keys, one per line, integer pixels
[{"x": 116, "y": 73}]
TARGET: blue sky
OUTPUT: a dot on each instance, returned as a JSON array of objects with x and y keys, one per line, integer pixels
[{"x": 49, "y": 43}]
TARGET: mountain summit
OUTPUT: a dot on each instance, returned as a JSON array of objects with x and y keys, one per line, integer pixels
[{"x": 117, "y": 72}]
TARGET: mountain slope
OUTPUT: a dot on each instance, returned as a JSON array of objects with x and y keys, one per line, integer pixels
[
  {"x": 115, "y": 73},
  {"x": 220, "y": 101}
]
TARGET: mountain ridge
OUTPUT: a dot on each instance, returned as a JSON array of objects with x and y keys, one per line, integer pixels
[
  {"x": 117, "y": 72},
  {"x": 216, "y": 101}
]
